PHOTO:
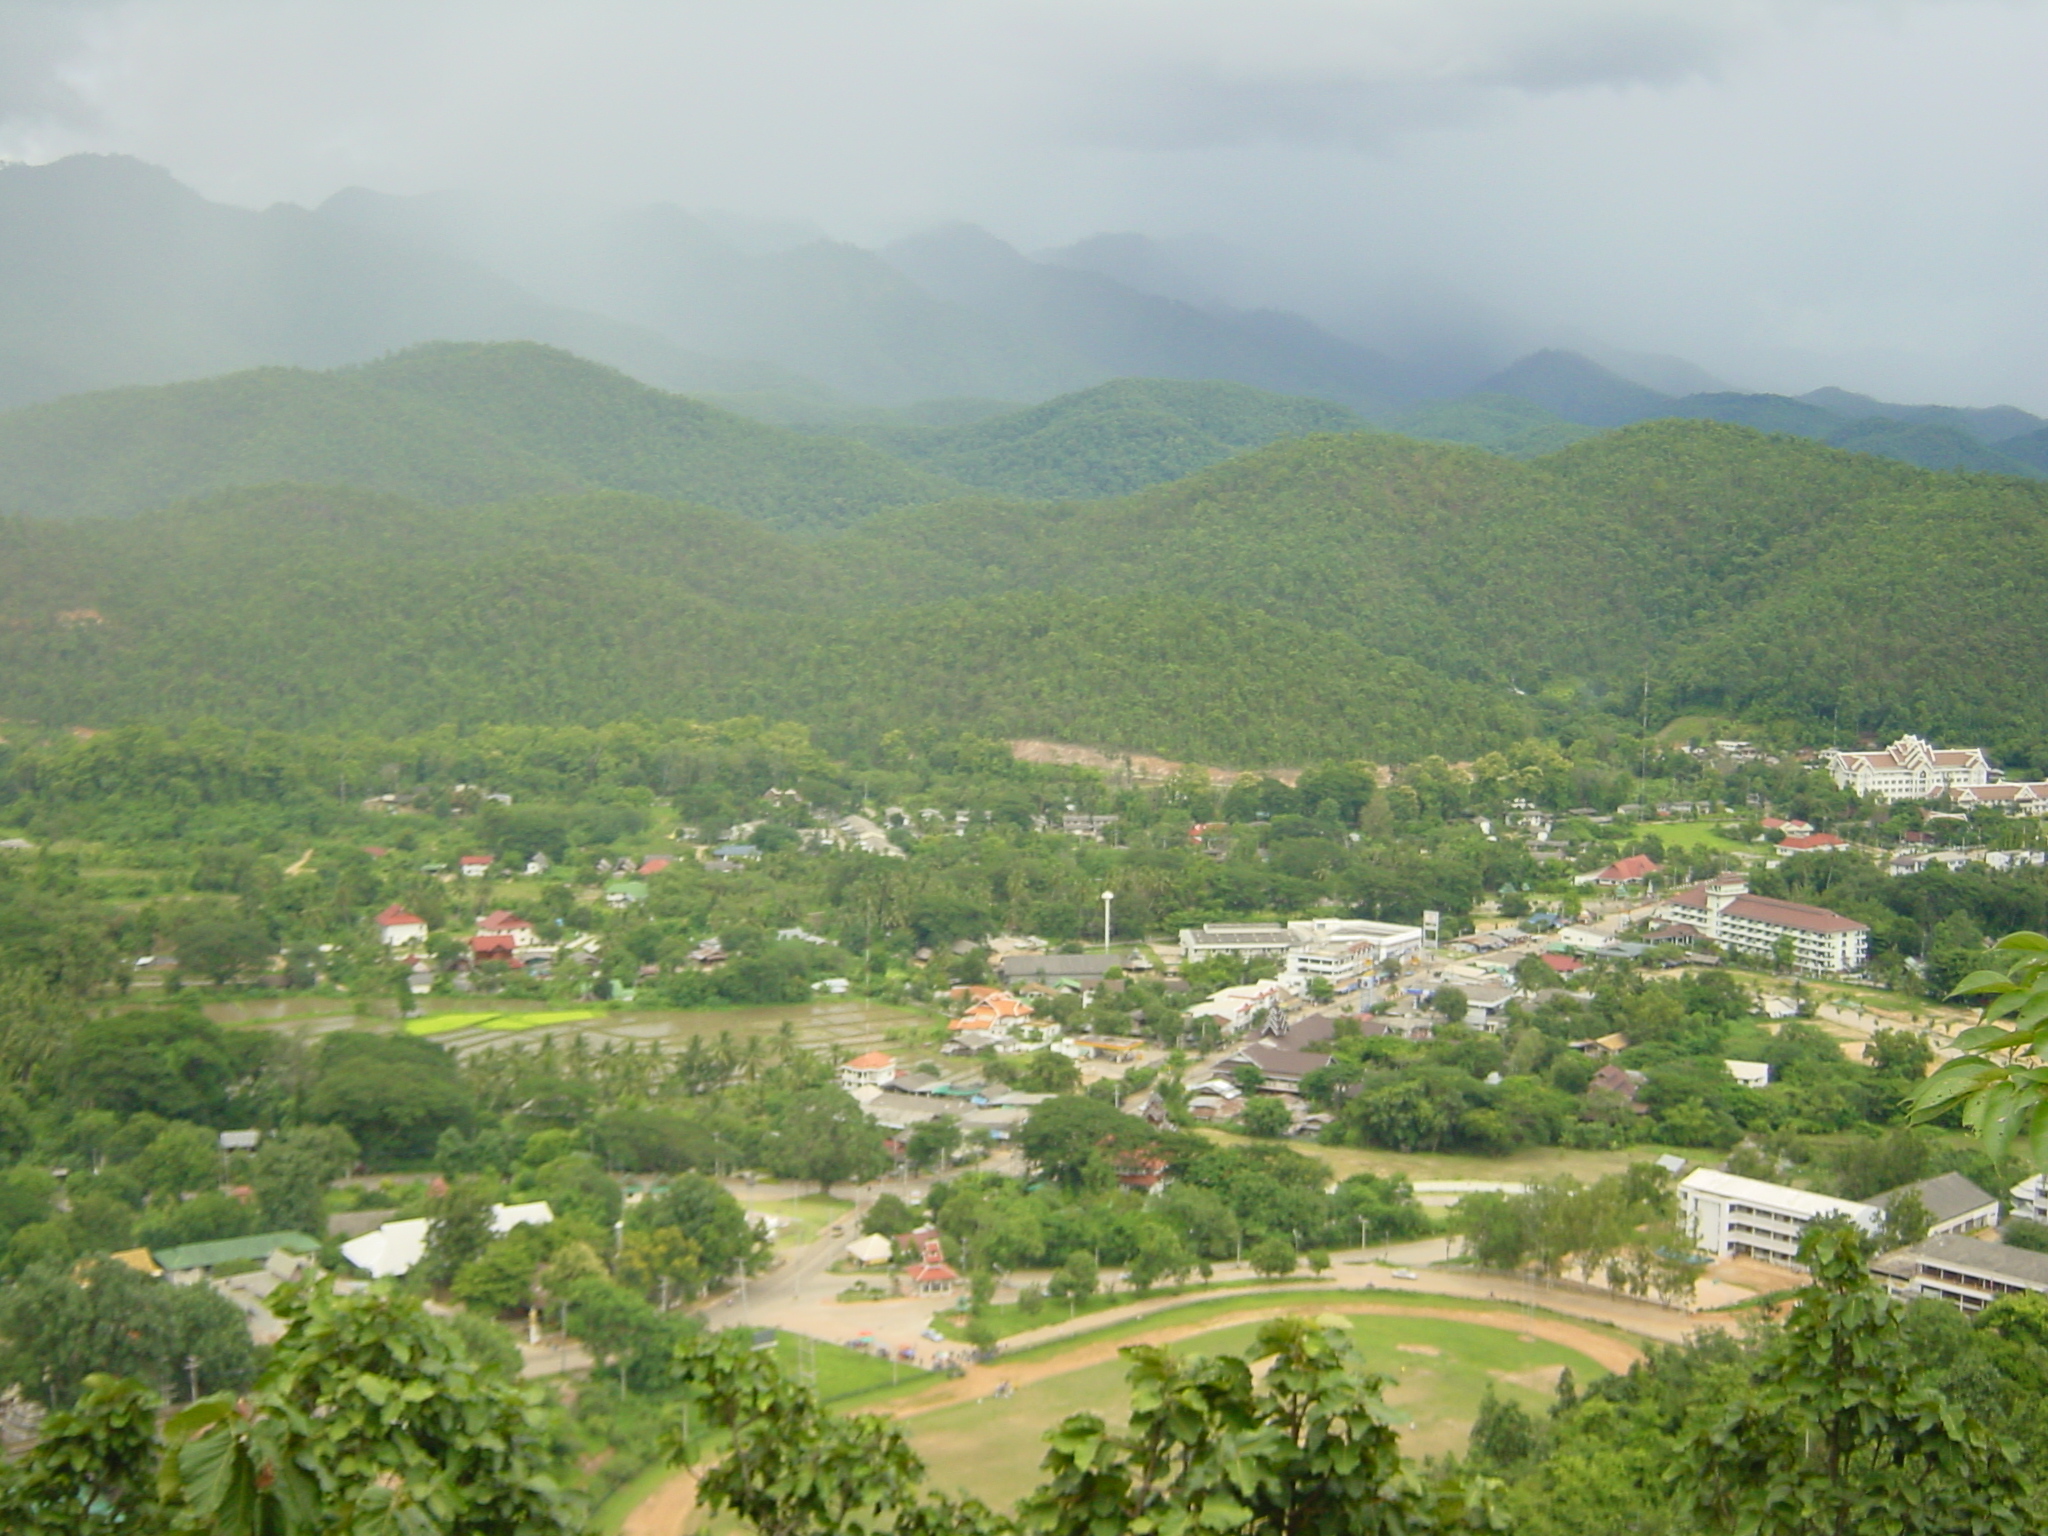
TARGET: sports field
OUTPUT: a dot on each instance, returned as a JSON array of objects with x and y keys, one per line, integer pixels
[{"x": 1437, "y": 1365}]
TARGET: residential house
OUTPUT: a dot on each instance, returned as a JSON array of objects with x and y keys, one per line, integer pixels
[
  {"x": 1790, "y": 828},
  {"x": 539, "y": 864},
  {"x": 1281, "y": 1068},
  {"x": 1237, "y": 1008},
  {"x": 1813, "y": 842},
  {"x": 1749, "y": 1074},
  {"x": 475, "y": 866},
  {"x": 1733, "y": 1217},
  {"x": 1724, "y": 910},
  {"x": 1910, "y": 769},
  {"x": 624, "y": 893},
  {"x": 190, "y": 1263},
  {"x": 1564, "y": 965},
  {"x": 1629, "y": 871},
  {"x": 398, "y": 928},
  {"x": 1623, "y": 1083},
  {"x": 869, "y": 1070},
  {"x": 509, "y": 925}
]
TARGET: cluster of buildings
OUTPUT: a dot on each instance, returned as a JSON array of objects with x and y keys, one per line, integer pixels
[
  {"x": 1957, "y": 1261},
  {"x": 1345, "y": 952},
  {"x": 1914, "y": 769}
]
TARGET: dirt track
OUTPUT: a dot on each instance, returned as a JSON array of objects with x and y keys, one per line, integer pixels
[{"x": 1614, "y": 1354}]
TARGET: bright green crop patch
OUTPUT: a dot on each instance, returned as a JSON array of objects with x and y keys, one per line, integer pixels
[{"x": 448, "y": 1023}]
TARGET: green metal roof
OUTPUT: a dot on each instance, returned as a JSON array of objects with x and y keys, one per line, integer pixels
[{"x": 234, "y": 1250}]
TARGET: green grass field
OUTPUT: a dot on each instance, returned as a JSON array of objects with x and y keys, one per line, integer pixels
[
  {"x": 1698, "y": 835},
  {"x": 808, "y": 1215},
  {"x": 1437, "y": 1370},
  {"x": 1421, "y": 1167}
]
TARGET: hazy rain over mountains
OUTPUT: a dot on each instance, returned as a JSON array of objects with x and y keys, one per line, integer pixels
[{"x": 1785, "y": 194}]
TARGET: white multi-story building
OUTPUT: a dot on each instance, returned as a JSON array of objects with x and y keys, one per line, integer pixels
[
  {"x": 1732, "y": 1217},
  {"x": 2029, "y": 1198},
  {"x": 1910, "y": 769},
  {"x": 1965, "y": 1271},
  {"x": 2014, "y": 797},
  {"x": 1724, "y": 910},
  {"x": 1337, "y": 963}
]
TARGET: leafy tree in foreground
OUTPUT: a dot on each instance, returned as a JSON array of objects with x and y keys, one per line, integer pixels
[
  {"x": 1837, "y": 1436},
  {"x": 371, "y": 1417},
  {"x": 2000, "y": 1079},
  {"x": 1305, "y": 1449}
]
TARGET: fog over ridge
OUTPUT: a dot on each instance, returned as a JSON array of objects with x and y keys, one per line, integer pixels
[{"x": 1785, "y": 193}]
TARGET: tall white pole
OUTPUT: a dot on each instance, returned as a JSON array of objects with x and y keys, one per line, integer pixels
[{"x": 1107, "y": 898}]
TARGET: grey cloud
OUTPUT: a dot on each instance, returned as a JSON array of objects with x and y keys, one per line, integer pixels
[{"x": 40, "y": 42}]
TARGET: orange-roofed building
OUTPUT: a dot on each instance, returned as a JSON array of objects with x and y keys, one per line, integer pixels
[{"x": 870, "y": 1070}]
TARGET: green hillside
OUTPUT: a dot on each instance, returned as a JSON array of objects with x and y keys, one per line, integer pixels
[
  {"x": 1356, "y": 588},
  {"x": 450, "y": 424},
  {"x": 1687, "y": 549},
  {"x": 1112, "y": 439},
  {"x": 1505, "y": 424},
  {"x": 329, "y": 608}
]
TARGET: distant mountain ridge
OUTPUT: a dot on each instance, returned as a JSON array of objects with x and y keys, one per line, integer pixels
[{"x": 450, "y": 424}]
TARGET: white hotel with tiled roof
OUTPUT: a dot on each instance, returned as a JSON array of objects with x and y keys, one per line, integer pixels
[
  {"x": 1910, "y": 769},
  {"x": 1724, "y": 910}
]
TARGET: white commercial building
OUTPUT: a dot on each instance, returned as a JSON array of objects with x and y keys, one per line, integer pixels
[
  {"x": 1733, "y": 1217},
  {"x": 1246, "y": 941},
  {"x": 1724, "y": 910},
  {"x": 1910, "y": 769},
  {"x": 1377, "y": 943}
]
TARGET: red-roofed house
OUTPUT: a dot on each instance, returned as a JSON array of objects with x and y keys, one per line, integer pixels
[
  {"x": 871, "y": 1070},
  {"x": 507, "y": 925},
  {"x": 475, "y": 866},
  {"x": 493, "y": 946},
  {"x": 397, "y": 927},
  {"x": 1564, "y": 965},
  {"x": 656, "y": 865},
  {"x": 1637, "y": 866},
  {"x": 1813, "y": 842},
  {"x": 1725, "y": 911},
  {"x": 1789, "y": 828}
]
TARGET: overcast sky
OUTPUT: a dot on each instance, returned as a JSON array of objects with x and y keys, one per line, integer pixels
[{"x": 1787, "y": 192}]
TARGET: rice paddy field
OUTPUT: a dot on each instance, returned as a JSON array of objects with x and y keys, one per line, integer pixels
[{"x": 839, "y": 1026}]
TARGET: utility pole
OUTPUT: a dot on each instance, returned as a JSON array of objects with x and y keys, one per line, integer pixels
[{"x": 1107, "y": 898}]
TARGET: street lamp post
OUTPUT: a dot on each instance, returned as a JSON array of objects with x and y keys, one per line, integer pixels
[{"x": 1107, "y": 898}]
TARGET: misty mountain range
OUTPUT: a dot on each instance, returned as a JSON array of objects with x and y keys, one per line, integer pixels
[{"x": 112, "y": 273}]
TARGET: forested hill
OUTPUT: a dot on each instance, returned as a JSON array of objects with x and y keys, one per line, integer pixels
[
  {"x": 328, "y": 608},
  {"x": 446, "y": 423},
  {"x": 1743, "y": 572},
  {"x": 1112, "y": 439},
  {"x": 1245, "y": 613}
]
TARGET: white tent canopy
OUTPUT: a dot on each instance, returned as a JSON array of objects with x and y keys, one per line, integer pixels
[{"x": 394, "y": 1248}]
